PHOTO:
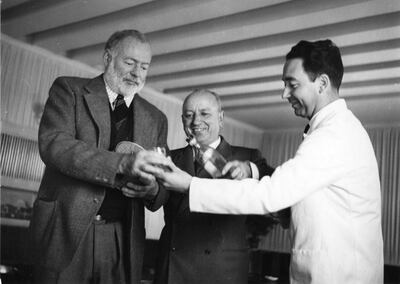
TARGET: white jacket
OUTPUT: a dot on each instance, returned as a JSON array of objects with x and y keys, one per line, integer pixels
[{"x": 332, "y": 186}]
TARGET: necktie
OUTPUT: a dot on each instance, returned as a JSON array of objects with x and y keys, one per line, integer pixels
[
  {"x": 120, "y": 109},
  {"x": 197, "y": 165},
  {"x": 197, "y": 168},
  {"x": 306, "y": 130}
]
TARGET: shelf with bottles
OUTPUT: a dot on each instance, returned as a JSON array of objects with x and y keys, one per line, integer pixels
[{"x": 16, "y": 206}]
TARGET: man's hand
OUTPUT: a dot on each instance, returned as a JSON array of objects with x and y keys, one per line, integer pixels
[
  {"x": 283, "y": 217},
  {"x": 132, "y": 167},
  {"x": 237, "y": 170},
  {"x": 176, "y": 179},
  {"x": 168, "y": 174},
  {"x": 137, "y": 182},
  {"x": 147, "y": 189}
]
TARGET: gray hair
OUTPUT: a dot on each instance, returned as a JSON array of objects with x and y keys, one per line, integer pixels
[{"x": 118, "y": 36}]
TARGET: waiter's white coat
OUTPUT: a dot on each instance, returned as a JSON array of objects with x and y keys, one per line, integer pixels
[{"x": 332, "y": 186}]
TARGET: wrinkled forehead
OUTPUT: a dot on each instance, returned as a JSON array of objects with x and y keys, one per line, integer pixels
[
  {"x": 200, "y": 101},
  {"x": 132, "y": 47}
]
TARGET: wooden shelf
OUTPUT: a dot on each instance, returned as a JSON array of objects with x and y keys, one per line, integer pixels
[{"x": 20, "y": 184}]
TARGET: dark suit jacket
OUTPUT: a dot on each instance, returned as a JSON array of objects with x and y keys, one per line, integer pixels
[
  {"x": 204, "y": 248},
  {"x": 74, "y": 138}
]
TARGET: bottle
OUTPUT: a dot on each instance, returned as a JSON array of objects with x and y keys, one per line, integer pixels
[{"x": 212, "y": 161}]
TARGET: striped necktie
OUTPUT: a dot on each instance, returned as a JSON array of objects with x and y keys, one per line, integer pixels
[{"x": 120, "y": 109}]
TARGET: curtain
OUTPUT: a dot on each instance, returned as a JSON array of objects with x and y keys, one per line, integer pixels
[
  {"x": 280, "y": 146},
  {"x": 386, "y": 142},
  {"x": 26, "y": 77}
]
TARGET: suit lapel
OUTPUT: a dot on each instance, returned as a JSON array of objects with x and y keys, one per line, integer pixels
[
  {"x": 99, "y": 108},
  {"x": 141, "y": 116},
  {"x": 225, "y": 149},
  {"x": 185, "y": 160}
]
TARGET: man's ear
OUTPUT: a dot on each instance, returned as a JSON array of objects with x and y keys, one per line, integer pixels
[
  {"x": 107, "y": 57},
  {"x": 324, "y": 83},
  {"x": 221, "y": 118}
]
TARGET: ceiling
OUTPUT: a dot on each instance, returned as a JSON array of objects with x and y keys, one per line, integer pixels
[{"x": 233, "y": 47}]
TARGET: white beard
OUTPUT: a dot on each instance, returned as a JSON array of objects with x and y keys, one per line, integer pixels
[{"x": 118, "y": 85}]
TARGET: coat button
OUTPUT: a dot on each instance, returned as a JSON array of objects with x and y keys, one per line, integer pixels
[
  {"x": 98, "y": 218},
  {"x": 96, "y": 200}
]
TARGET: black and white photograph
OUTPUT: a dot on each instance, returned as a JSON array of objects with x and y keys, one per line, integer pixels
[{"x": 200, "y": 142}]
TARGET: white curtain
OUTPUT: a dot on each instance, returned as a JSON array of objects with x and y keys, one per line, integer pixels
[
  {"x": 278, "y": 147},
  {"x": 26, "y": 77},
  {"x": 386, "y": 142}
]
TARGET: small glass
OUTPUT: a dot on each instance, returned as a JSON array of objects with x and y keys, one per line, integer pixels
[{"x": 160, "y": 150}]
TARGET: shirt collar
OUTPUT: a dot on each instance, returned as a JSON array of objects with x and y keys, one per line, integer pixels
[
  {"x": 325, "y": 112},
  {"x": 213, "y": 145},
  {"x": 112, "y": 96},
  {"x": 216, "y": 143}
]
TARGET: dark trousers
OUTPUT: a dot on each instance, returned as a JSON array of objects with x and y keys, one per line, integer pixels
[{"x": 100, "y": 258}]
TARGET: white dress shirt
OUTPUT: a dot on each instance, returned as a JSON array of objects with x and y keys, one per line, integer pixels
[
  {"x": 332, "y": 186},
  {"x": 112, "y": 96}
]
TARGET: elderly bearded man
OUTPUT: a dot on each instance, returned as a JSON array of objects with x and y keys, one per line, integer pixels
[{"x": 88, "y": 225}]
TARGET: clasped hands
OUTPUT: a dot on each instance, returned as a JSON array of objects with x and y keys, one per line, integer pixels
[
  {"x": 149, "y": 167},
  {"x": 138, "y": 183}
]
